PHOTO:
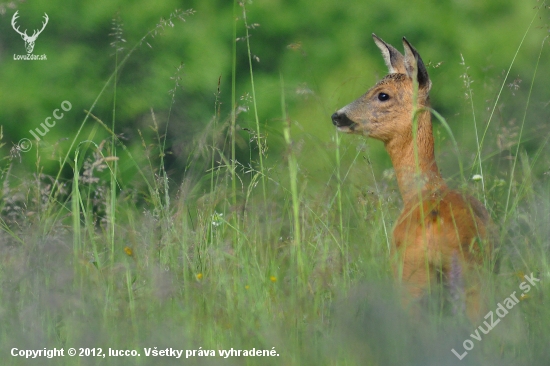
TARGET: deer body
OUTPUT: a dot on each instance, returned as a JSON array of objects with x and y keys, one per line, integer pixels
[{"x": 441, "y": 234}]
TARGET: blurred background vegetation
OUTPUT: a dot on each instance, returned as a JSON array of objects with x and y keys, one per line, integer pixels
[{"x": 323, "y": 50}]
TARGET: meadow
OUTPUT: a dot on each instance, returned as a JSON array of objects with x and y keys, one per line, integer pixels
[{"x": 210, "y": 205}]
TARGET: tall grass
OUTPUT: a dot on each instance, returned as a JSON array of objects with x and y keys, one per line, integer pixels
[{"x": 226, "y": 262}]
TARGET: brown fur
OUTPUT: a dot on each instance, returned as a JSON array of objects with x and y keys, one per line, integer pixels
[{"x": 441, "y": 233}]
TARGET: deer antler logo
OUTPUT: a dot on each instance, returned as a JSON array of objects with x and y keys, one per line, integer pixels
[{"x": 29, "y": 40}]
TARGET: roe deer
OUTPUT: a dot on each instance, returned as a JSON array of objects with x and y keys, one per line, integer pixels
[{"x": 441, "y": 234}]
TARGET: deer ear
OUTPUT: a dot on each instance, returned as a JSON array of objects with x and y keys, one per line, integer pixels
[
  {"x": 415, "y": 67},
  {"x": 392, "y": 57}
]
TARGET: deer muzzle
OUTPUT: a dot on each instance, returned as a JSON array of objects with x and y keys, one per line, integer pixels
[{"x": 342, "y": 122}]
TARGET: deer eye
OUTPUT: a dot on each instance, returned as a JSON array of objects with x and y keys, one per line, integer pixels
[{"x": 383, "y": 97}]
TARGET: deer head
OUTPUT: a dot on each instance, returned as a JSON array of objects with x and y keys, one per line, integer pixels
[
  {"x": 29, "y": 40},
  {"x": 385, "y": 111}
]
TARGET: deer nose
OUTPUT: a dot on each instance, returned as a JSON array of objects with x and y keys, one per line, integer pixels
[{"x": 341, "y": 120}]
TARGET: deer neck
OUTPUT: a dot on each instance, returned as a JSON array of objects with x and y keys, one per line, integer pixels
[{"x": 416, "y": 171}]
